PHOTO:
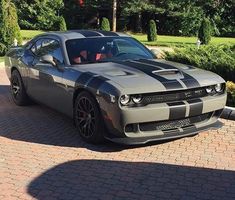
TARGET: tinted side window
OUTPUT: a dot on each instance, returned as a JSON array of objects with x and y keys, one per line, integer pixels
[{"x": 48, "y": 46}]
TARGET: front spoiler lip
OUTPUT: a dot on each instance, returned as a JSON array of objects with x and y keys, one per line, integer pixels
[{"x": 144, "y": 140}]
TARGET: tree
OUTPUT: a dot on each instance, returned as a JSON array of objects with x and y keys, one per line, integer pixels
[
  {"x": 204, "y": 33},
  {"x": 152, "y": 31},
  {"x": 114, "y": 15},
  {"x": 39, "y": 14},
  {"x": 133, "y": 9},
  {"x": 62, "y": 24},
  {"x": 10, "y": 29},
  {"x": 105, "y": 26}
]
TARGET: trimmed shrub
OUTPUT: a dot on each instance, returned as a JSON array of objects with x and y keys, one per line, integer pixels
[
  {"x": 3, "y": 49},
  {"x": 231, "y": 93},
  {"x": 10, "y": 29},
  {"x": 105, "y": 25},
  {"x": 216, "y": 58},
  {"x": 152, "y": 31},
  {"x": 62, "y": 24},
  {"x": 204, "y": 33}
]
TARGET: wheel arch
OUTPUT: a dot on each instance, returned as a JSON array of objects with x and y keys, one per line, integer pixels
[
  {"x": 79, "y": 90},
  {"x": 13, "y": 68}
]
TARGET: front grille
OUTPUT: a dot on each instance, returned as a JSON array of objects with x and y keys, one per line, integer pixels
[
  {"x": 166, "y": 97},
  {"x": 174, "y": 124},
  {"x": 168, "y": 125}
]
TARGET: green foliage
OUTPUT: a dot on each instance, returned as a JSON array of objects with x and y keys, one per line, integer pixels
[
  {"x": 138, "y": 6},
  {"x": 105, "y": 26},
  {"x": 152, "y": 31},
  {"x": 204, "y": 33},
  {"x": 217, "y": 58},
  {"x": 173, "y": 17},
  {"x": 230, "y": 86},
  {"x": 3, "y": 49},
  {"x": 10, "y": 29},
  {"x": 62, "y": 24},
  {"x": 39, "y": 14}
]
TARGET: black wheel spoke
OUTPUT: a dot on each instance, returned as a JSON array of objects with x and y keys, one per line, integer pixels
[
  {"x": 85, "y": 117},
  {"x": 15, "y": 87}
]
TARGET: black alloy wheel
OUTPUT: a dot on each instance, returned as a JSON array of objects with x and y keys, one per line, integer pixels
[
  {"x": 88, "y": 119},
  {"x": 18, "y": 92}
]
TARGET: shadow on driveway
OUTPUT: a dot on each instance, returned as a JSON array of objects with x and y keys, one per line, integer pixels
[
  {"x": 97, "y": 179},
  {"x": 40, "y": 124}
]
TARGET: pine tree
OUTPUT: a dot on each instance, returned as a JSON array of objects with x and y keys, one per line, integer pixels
[
  {"x": 105, "y": 25},
  {"x": 10, "y": 29},
  {"x": 62, "y": 24},
  {"x": 152, "y": 31},
  {"x": 204, "y": 33}
]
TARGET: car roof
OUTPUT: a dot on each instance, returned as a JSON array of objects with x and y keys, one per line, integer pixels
[{"x": 76, "y": 34}]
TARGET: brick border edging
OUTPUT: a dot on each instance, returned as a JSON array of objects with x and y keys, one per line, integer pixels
[{"x": 228, "y": 113}]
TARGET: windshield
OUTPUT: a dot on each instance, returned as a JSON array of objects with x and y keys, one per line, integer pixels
[{"x": 105, "y": 49}]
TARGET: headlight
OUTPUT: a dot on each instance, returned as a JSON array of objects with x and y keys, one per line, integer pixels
[
  {"x": 124, "y": 100},
  {"x": 218, "y": 87},
  {"x": 137, "y": 98},
  {"x": 209, "y": 90}
]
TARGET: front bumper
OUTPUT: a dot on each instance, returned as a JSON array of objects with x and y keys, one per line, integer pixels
[
  {"x": 140, "y": 125},
  {"x": 165, "y": 136}
]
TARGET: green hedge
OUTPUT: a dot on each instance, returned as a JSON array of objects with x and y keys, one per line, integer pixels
[
  {"x": 217, "y": 58},
  {"x": 231, "y": 93},
  {"x": 3, "y": 49}
]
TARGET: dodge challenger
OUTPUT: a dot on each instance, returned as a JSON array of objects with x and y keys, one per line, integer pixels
[{"x": 114, "y": 88}]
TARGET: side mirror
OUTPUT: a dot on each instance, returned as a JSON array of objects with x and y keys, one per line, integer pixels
[{"x": 48, "y": 59}]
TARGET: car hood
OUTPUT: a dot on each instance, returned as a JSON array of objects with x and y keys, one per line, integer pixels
[{"x": 151, "y": 75}]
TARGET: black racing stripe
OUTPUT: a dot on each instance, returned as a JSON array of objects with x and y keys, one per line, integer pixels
[
  {"x": 88, "y": 33},
  {"x": 96, "y": 82},
  {"x": 107, "y": 33},
  {"x": 84, "y": 78},
  {"x": 188, "y": 80},
  {"x": 153, "y": 68},
  {"x": 148, "y": 69},
  {"x": 157, "y": 64},
  {"x": 196, "y": 106},
  {"x": 177, "y": 110}
]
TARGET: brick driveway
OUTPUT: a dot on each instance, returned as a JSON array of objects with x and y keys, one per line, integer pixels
[{"x": 42, "y": 157}]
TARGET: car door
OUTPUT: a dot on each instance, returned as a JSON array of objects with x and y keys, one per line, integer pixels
[{"x": 45, "y": 82}]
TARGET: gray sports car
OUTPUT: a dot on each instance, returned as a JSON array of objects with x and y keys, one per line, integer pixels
[{"x": 114, "y": 88}]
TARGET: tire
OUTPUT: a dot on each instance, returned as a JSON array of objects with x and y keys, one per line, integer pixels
[
  {"x": 88, "y": 119},
  {"x": 18, "y": 92}
]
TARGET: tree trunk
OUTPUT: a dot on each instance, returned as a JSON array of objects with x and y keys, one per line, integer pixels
[{"x": 114, "y": 16}]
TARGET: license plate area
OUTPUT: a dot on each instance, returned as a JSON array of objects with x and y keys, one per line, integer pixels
[{"x": 173, "y": 124}]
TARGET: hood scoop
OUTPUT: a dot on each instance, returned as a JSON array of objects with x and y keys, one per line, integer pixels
[
  {"x": 117, "y": 73},
  {"x": 169, "y": 73}
]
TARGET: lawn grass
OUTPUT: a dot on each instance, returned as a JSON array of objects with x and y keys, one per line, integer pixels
[
  {"x": 178, "y": 41},
  {"x": 162, "y": 40},
  {"x": 29, "y": 34}
]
